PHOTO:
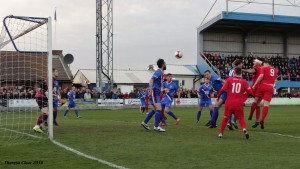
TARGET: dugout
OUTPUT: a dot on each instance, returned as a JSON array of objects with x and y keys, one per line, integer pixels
[{"x": 244, "y": 34}]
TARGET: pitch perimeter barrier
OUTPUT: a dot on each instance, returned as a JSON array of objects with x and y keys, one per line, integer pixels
[{"x": 127, "y": 103}]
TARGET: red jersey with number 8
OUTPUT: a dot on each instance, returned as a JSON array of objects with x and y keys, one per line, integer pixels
[{"x": 270, "y": 75}]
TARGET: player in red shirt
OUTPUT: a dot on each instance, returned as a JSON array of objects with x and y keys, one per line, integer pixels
[
  {"x": 236, "y": 87},
  {"x": 255, "y": 71},
  {"x": 264, "y": 86}
]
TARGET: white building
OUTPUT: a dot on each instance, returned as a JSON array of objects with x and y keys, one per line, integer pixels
[{"x": 187, "y": 76}]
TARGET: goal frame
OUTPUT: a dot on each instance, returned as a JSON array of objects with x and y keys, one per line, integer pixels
[{"x": 41, "y": 21}]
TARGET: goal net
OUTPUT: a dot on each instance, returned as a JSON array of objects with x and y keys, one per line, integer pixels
[{"x": 25, "y": 61}]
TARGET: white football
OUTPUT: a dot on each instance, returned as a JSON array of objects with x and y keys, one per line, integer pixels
[{"x": 178, "y": 54}]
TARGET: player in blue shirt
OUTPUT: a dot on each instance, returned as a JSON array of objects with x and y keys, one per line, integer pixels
[
  {"x": 55, "y": 100},
  {"x": 142, "y": 96},
  {"x": 205, "y": 91},
  {"x": 217, "y": 84},
  {"x": 169, "y": 88},
  {"x": 71, "y": 102},
  {"x": 154, "y": 91}
]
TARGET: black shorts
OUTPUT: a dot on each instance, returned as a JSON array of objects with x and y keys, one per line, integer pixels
[{"x": 42, "y": 102}]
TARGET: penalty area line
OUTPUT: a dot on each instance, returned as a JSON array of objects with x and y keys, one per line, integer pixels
[
  {"x": 278, "y": 134},
  {"x": 87, "y": 156}
]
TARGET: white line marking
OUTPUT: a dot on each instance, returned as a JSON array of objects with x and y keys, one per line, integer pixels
[
  {"x": 23, "y": 133},
  {"x": 72, "y": 150},
  {"x": 278, "y": 134},
  {"x": 88, "y": 156}
]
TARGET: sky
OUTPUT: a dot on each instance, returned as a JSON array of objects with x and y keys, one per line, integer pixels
[{"x": 144, "y": 30}]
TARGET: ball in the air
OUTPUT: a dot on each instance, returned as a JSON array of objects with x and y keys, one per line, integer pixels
[{"x": 178, "y": 54}]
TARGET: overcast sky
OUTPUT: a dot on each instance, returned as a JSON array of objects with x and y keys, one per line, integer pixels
[{"x": 144, "y": 30}]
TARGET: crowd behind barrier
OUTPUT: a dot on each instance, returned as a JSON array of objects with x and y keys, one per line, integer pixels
[
  {"x": 288, "y": 68},
  {"x": 86, "y": 94}
]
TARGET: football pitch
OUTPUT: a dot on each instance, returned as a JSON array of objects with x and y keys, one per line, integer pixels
[{"x": 117, "y": 137}]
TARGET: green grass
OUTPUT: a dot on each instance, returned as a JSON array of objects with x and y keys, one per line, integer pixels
[{"x": 116, "y": 136}]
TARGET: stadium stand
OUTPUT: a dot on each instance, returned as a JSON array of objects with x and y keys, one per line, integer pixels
[
  {"x": 246, "y": 36},
  {"x": 287, "y": 68}
]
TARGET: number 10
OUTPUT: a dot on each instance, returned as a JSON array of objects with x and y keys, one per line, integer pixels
[{"x": 236, "y": 88}]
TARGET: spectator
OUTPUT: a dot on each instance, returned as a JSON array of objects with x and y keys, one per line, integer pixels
[
  {"x": 64, "y": 94},
  {"x": 132, "y": 94},
  {"x": 126, "y": 95},
  {"x": 216, "y": 57},
  {"x": 87, "y": 95}
]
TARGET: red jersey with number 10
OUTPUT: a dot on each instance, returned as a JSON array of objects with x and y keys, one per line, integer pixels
[
  {"x": 270, "y": 75},
  {"x": 236, "y": 87}
]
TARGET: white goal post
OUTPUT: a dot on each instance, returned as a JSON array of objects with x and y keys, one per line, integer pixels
[{"x": 25, "y": 61}]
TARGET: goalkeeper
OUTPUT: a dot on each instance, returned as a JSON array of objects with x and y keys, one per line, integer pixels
[{"x": 42, "y": 101}]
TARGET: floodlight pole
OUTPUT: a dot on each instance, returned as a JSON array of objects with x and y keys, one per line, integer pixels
[
  {"x": 226, "y": 7},
  {"x": 104, "y": 43},
  {"x": 273, "y": 9}
]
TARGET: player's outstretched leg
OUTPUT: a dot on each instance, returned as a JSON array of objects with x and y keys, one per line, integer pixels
[
  {"x": 158, "y": 117},
  {"x": 246, "y": 133},
  {"x": 264, "y": 115},
  {"x": 243, "y": 125},
  {"x": 223, "y": 125},
  {"x": 255, "y": 124},
  {"x": 76, "y": 113},
  {"x": 234, "y": 123},
  {"x": 257, "y": 117},
  {"x": 55, "y": 116},
  {"x": 147, "y": 119},
  {"x": 210, "y": 112},
  {"x": 66, "y": 112},
  {"x": 257, "y": 112},
  {"x": 174, "y": 117},
  {"x": 146, "y": 107},
  {"x": 198, "y": 116},
  {"x": 252, "y": 109},
  {"x": 214, "y": 118},
  {"x": 229, "y": 124},
  {"x": 37, "y": 127}
]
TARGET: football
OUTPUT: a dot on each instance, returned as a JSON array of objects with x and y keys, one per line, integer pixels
[{"x": 178, "y": 54}]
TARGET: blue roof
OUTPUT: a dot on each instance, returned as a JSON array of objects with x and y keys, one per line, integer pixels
[{"x": 251, "y": 17}]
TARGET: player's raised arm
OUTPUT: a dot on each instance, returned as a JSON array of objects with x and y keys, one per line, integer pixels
[{"x": 249, "y": 70}]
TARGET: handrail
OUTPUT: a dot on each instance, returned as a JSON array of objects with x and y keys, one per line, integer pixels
[{"x": 211, "y": 65}]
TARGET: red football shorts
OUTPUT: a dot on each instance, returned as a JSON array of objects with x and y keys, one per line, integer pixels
[
  {"x": 265, "y": 92},
  {"x": 238, "y": 113}
]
